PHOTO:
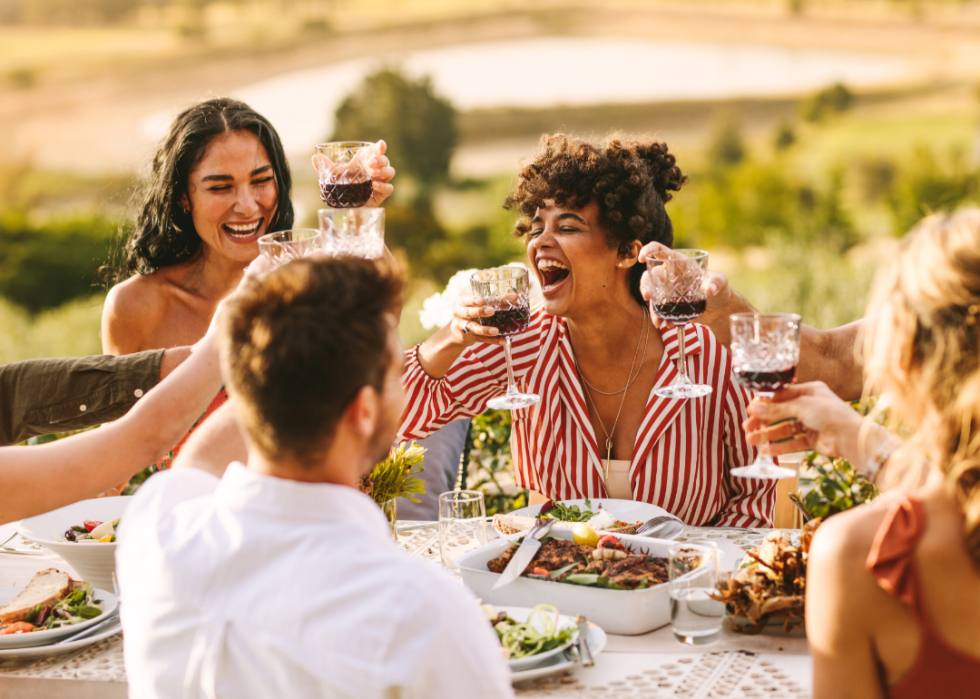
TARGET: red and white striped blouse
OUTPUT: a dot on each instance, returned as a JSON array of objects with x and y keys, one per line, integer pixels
[{"x": 684, "y": 448}]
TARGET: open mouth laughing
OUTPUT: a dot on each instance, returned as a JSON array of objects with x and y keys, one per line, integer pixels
[
  {"x": 552, "y": 273},
  {"x": 242, "y": 232}
]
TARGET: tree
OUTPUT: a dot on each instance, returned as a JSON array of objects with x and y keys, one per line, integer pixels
[
  {"x": 418, "y": 125},
  {"x": 833, "y": 100},
  {"x": 727, "y": 147}
]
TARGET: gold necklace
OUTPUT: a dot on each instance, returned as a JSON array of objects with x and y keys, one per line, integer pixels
[
  {"x": 609, "y": 435},
  {"x": 634, "y": 378}
]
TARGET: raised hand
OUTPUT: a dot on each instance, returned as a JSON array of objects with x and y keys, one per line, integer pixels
[{"x": 465, "y": 325}]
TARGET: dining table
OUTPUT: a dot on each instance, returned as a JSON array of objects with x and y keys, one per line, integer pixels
[{"x": 775, "y": 663}]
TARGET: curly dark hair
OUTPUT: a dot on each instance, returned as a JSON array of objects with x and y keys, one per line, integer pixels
[
  {"x": 630, "y": 180},
  {"x": 164, "y": 234}
]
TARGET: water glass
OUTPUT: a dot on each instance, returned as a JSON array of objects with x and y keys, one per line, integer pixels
[
  {"x": 462, "y": 525},
  {"x": 345, "y": 178},
  {"x": 695, "y": 615},
  {"x": 283, "y": 246},
  {"x": 353, "y": 232}
]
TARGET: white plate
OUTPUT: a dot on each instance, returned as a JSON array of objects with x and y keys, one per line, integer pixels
[
  {"x": 564, "y": 661},
  {"x": 520, "y": 614},
  {"x": 624, "y": 510},
  {"x": 38, "y": 652},
  {"x": 41, "y": 638},
  {"x": 18, "y": 544}
]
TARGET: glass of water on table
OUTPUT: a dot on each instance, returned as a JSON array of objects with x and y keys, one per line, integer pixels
[
  {"x": 695, "y": 615},
  {"x": 462, "y": 525}
]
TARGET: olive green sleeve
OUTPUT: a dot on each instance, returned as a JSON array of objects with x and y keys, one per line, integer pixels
[{"x": 41, "y": 396}]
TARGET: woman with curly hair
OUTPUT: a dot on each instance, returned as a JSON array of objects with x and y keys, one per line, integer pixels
[
  {"x": 219, "y": 182},
  {"x": 592, "y": 353}
]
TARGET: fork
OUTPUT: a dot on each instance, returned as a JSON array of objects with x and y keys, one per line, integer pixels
[{"x": 655, "y": 522}]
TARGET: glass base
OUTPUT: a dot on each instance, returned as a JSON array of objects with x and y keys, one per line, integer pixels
[
  {"x": 513, "y": 401},
  {"x": 683, "y": 391},
  {"x": 763, "y": 470},
  {"x": 699, "y": 638}
]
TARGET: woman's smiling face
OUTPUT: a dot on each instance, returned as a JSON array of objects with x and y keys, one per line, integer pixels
[
  {"x": 233, "y": 195},
  {"x": 578, "y": 270}
]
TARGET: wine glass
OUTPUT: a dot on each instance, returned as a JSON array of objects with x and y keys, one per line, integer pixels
[
  {"x": 462, "y": 525},
  {"x": 345, "y": 178},
  {"x": 506, "y": 289},
  {"x": 765, "y": 351},
  {"x": 354, "y": 232},
  {"x": 677, "y": 297},
  {"x": 283, "y": 246}
]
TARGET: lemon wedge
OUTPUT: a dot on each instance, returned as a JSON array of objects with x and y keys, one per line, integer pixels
[{"x": 585, "y": 535}]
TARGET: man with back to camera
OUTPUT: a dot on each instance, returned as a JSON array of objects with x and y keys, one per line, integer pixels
[{"x": 281, "y": 578}]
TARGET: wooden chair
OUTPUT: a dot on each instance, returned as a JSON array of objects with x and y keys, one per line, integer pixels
[{"x": 787, "y": 516}]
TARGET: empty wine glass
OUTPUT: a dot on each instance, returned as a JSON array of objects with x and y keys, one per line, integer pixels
[
  {"x": 677, "y": 297},
  {"x": 506, "y": 290},
  {"x": 345, "y": 177},
  {"x": 283, "y": 246},
  {"x": 354, "y": 232},
  {"x": 765, "y": 351}
]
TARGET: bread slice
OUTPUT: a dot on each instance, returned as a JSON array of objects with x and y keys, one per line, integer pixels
[{"x": 47, "y": 587}]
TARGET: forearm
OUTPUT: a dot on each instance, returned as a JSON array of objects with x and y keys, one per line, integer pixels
[
  {"x": 53, "y": 475},
  {"x": 831, "y": 356},
  {"x": 437, "y": 354},
  {"x": 172, "y": 358}
]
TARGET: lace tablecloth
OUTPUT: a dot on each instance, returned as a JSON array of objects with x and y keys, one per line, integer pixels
[{"x": 645, "y": 666}]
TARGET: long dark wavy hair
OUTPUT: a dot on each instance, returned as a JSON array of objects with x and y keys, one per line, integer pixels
[
  {"x": 164, "y": 234},
  {"x": 630, "y": 179}
]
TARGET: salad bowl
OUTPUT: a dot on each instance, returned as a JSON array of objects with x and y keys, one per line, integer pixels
[{"x": 93, "y": 562}]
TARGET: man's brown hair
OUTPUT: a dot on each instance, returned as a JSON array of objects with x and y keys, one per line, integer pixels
[{"x": 300, "y": 342}]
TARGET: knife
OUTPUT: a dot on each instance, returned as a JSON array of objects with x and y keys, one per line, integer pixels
[
  {"x": 583, "y": 642},
  {"x": 525, "y": 552}
]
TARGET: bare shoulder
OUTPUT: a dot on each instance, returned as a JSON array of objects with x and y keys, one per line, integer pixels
[
  {"x": 845, "y": 539},
  {"x": 132, "y": 309}
]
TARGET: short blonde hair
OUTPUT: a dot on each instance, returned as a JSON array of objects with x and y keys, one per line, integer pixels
[{"x": 924, "y": 349}]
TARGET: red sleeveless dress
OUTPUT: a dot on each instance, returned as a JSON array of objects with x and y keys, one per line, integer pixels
[{"x": 939, "y": 670}]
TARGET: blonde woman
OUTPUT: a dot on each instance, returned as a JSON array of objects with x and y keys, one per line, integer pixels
[{"x": 893, "y": 590}]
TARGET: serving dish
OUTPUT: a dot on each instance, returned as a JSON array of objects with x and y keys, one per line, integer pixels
[
  {"x": 628, "y": 612},
  {"x": 49, "y": 636},
  {"x": 93, "y": 562}
]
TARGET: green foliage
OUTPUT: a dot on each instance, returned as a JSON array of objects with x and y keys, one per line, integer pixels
[
  {"x": 71, "y": 330},
  {"x": 926, "y": 185},
  {"x": 837, "y": 488},
  {"x": 417, "y": 124},
  {"x": 785, "y": 136},
  {"x": 395, "y": 477},
  {"x": 489, "y": 466},
  {"x": 833, "y": 100},
  {"x": 45, "y": 266},
  {"x": 726, "y": 146}
]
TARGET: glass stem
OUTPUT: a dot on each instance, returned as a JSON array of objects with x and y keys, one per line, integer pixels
[
  {"x": 511, "y": 383},
  {"x": 681, "y": 363},
  {"x": 765, "y": 455}
]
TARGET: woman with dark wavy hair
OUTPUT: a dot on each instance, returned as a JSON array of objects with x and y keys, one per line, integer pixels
[
  {"x": 219, "y": 182},
  {"x": 592, "y": 352}
]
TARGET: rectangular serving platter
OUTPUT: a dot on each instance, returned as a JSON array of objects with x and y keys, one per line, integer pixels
[{"x": 627, "y": 612}]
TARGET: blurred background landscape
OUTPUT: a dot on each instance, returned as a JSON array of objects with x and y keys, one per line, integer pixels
[{"x": 815, "y": 132}]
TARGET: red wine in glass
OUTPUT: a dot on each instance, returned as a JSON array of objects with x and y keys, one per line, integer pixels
[
  {"x": 509, "y": 321},
  {"x": 766, "y": 381},
  {"x": 680, "y": 311},
  {"x": 346, "y": 196}
]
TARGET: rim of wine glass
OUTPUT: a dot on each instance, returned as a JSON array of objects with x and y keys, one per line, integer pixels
[
  {"x": 700, "y": 254},
  {"x": 518, "y": 272},
  {"x": 271, "y": 237},
  {"x": 796, "y": 317},
  {"x": 346, "y": 145}
]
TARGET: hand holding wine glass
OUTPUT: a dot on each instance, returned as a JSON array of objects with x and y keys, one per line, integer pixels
[
  {"x": 714, "y": 285},
  {"x": 765, "y": 351},
  {"x": 353, "y": 174}
]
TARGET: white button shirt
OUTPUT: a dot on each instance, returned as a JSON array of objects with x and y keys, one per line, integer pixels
[{"x": 254, "y": 586}]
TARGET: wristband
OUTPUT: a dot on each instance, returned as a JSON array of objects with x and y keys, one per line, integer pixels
[{"x": 880, "y": 456}]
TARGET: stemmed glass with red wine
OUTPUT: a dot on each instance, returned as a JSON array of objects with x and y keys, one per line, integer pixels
[
  {"x": 676, "y": 296},
  {"x": 765, "y": 351},
  {"x": 345, "y": 177},
  {"x": 506, "y": 290}
]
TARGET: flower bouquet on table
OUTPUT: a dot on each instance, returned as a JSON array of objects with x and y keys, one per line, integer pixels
[{"x": 396, "y": 477}]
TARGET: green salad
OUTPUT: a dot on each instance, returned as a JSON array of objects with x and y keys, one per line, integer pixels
[
  {"x": 78, "y": 605},
  {"x": 566, "y": 513},
  {"x": 528, "y": 638}
]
